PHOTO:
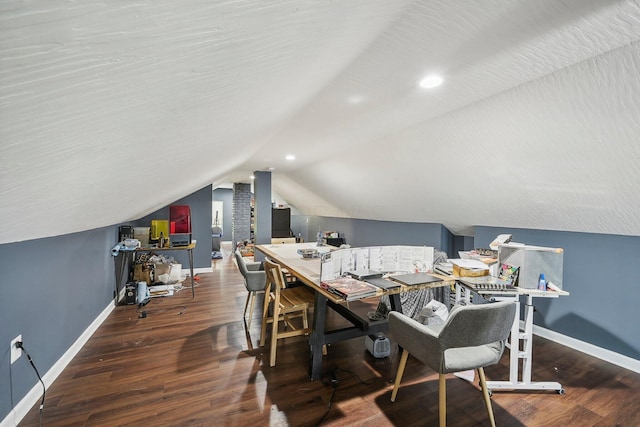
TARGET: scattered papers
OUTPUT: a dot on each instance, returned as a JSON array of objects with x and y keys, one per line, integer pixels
[
  {"x": 469, "y": 264},
  {"x": 500, "y": 240},
  {"x": 376, "y": 258}
]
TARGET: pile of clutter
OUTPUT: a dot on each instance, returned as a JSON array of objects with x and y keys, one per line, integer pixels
[{"x": 155, "y": 276}]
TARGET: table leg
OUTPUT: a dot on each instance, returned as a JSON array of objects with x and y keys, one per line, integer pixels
[
  {"x": 316, "y": 338},
  {"x": 396, "y": 304},
  {"x": 193, "y": 287}
]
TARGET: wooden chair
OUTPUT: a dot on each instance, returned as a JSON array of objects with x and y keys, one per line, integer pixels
[
  {"x": 473, "y": 337},
  {"x": 287, "y": 304}
]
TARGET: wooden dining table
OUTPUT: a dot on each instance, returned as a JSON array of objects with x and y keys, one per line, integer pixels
[{"x": 307, "y": 270}]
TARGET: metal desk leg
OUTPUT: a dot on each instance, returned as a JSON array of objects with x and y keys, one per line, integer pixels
[
  {"x": 514, "y": 345},
  {"x": 193, "y": 288},
  {"x": 463, "y": 295},
  {"x": 526, "y": 355},
  {"x": 124, "y": 262},
  {"x": 316, "y": 338}
]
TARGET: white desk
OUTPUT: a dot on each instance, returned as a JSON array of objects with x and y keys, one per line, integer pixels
[{"x": 517, "y": 336}]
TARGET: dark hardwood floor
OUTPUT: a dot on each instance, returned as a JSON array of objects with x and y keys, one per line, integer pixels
[{"x": 191, "y": 362}]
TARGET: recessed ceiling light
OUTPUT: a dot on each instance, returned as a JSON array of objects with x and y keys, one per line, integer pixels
[
  {"x": 252, "y": 177},
  {"x": 355, "y": 99},
  {"x": 290, "y": 157},
  {"x": 431, "y": 81}
]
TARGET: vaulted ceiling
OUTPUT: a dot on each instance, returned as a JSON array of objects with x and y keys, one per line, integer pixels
[{"x": 111, "y": 110}]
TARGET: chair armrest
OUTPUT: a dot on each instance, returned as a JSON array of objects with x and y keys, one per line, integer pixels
[
  {"x": 253, "y": 266},
  {"x": 402, "y": 323},
  {"x": 420, "y": 340},
  {"x": 256, "y": 280}
]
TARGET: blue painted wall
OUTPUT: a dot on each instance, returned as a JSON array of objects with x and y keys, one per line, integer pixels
[
  {"x": 201, "y": 213},
  {"x": 54, "y": 288},
  {"x": 601, "y": 273},
  {"x": 365, "y": 232}
]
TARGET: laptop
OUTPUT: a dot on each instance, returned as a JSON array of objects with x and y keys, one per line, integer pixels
[
  {"x": 412, "y": 279},
  {"x": 382, "y": 283},
  {"x": 365, "y": 274}
]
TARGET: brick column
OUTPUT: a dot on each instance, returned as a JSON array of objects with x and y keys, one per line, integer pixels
[{"x": 241, "y": 213}]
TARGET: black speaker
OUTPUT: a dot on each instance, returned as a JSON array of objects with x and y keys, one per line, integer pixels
[
  {"x": 130, "y": 293},
  {"x": 125, "y": 232}
]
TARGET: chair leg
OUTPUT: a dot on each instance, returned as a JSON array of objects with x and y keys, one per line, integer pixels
[
  {"x": 442, "y": 399},
  {"x": 246, "y": 304},
  {"x": 401, "y": 366},
  {"x": 274, "y": 336},
  {"x": 252, "y": 306},
  {"x": 485, "y": 393},
  {"x": 305, "y": 319},
  {"x": 265, "y": 316}
]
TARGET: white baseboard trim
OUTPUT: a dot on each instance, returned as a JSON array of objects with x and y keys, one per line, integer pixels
[
  {"x": 590, "y": 349},
  {"x": 186, "y": 272},
  {"x": 35, "y": 394}
]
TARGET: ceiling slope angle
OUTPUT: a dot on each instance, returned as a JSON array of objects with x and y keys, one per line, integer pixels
[
  {"x": 538, "y": 110},
  {"x": 553, "y": 143},
  {"x": 97, "y": 98}
]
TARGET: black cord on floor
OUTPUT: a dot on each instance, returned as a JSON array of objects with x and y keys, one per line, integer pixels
[
  {"x": 155, "y": 301},
  {"x": 44, "y": 388},
  {"x": 357, "y": 376},
  {"x": 333, "y": 382}
]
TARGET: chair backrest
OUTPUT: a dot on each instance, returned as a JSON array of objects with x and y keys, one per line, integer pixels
[
  {"x": 242, "y": 266},
  {"x": 253, "y": 279},
  {"x": 282, "y": 240},
  {"x": 275, "y": 279},
  {"x": 479, "y": 324}
]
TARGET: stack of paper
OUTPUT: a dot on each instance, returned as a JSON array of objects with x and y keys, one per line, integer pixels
[
  {"x": 349, "y": 288},
  {"x": 161, "y": 290}
]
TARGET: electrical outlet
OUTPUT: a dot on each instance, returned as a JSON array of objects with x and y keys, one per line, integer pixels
[{"x": 15, "y": 351}]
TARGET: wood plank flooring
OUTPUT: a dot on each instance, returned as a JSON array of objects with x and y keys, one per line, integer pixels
[{"x": 191, "y": 362}]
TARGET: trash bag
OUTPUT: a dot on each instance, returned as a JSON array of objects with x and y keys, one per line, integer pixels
[{"x": 434, "y": 313}]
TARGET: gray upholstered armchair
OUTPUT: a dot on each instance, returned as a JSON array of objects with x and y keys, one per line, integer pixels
[
  {"x": 254, "y": 280},
  {"x": 472, "y": 337}
]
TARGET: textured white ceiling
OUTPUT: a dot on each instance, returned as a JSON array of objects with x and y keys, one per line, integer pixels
[{"x": 110, "y": 110}]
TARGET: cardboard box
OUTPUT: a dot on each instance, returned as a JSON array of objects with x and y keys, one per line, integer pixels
[
  {"x": 466, "y": 272},
  {"x": 142, "y": 273}
]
